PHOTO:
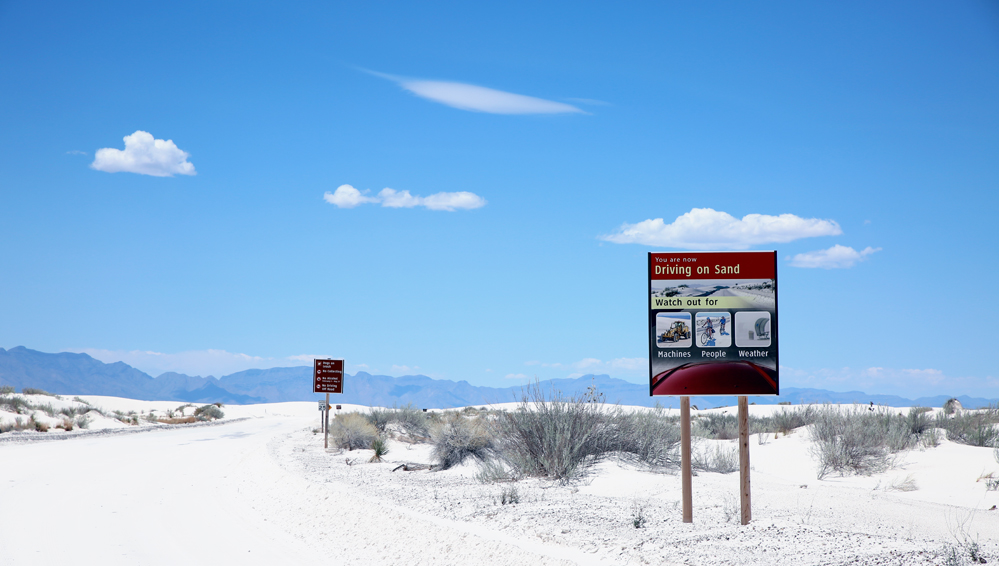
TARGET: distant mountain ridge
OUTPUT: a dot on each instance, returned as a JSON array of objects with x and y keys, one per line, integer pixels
[{"x": 79, "y": 374}]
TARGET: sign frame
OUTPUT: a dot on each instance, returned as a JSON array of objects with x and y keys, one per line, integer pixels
[
  {"x": 327, "y": 376},
  {"x": 689, "y": 294}
]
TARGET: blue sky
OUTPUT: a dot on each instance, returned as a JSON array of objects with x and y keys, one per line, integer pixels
[{"x": 529, "y": 151}]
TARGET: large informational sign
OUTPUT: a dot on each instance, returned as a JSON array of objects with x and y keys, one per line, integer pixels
[
  {"x": 327, "y": 376},
  {"x": 713, "y": 323}
]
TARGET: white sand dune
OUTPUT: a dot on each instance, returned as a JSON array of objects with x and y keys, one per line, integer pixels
[{"x": 262, "y": 490}]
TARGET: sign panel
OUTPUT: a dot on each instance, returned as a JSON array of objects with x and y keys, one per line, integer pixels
[
  {"x": 713, "y": 323},
  {"x": 327, "y": 376}
]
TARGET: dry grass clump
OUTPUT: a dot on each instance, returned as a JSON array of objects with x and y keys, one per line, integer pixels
[
  {"x": 863, "y": 441},
  {"x": 208, "y": 413},
  {"x": 972, "y": 427},
  {"x": 352, "y": 431},
  {"x": 559, "y": 437},
  {"x": 457, "y": 438}
]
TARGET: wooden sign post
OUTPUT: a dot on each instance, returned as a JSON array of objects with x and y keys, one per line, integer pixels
[
  {"x": 744, "y": 503},
  {"x": 685, "y": 472},
  {"x": 327, "y": 377}
]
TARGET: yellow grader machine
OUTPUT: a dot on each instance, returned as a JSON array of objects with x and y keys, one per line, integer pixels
[{"x": 676, "y": 332}]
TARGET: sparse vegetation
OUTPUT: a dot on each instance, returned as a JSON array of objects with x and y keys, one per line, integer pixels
[
  {"x": 352, "y": 431},
  {"x": 863, "y": 441},
  {"x": 208, "y": 413},
  {"x": 6, "y": 389},
  {"x": 380, "y": 446},
  {"x": 720, "y": 459},
  {"x": 638, "y": 519},
  {"x": 973, "y": 427},
  {"x": 509, "y": 495},
  {"x": 33, "y": 391},
  {"x": 458, "y": 438}
]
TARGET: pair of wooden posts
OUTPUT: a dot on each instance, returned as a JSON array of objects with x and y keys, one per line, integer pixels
[{"x": 685, "y": 471}]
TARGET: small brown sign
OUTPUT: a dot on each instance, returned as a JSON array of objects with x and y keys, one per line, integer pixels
[{"x": 327, "y": 376}]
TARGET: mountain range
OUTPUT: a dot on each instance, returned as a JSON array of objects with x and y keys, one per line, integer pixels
[{"x": 79, "y": 374}]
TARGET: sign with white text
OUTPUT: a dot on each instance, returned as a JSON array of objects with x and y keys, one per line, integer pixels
[
  {"x": 713, "y": 323},
  {"x": 327, "y": 376}
]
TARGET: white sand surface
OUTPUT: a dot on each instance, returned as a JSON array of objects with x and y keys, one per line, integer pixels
[{"x": 261, "y": 489}]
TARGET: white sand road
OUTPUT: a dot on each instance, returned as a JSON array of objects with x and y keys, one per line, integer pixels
[{"x": 263, "y": 491}]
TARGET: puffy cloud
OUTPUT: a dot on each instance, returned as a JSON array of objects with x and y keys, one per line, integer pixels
[
  {"x": 835, "y": 257},
  {"x": 145, "y": 155},
  {"x": 476, "y": 98},
  {"x": 706, "y": 228},
  {"x": 347, "y": 196}
]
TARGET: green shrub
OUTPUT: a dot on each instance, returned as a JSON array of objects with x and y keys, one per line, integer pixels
[
  {"x": 976, "y": 428},
  {"x": 555, "y": 437},
  {"x": 6, "y": 389},
  {"x": 352, "y": 431},
  {"x": 721, "y": 459},
  {"x": 860, "y": 440},
  {"x": 203, "y": 413},
  {"x": 33, "y": 391},
  {"x": 651, "y": 437},
  {"x": 458, "y": 438},
  {"x": 380, "y": 446}
]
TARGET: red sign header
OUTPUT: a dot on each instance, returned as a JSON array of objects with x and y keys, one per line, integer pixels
[{"x": 712, "y": 265}]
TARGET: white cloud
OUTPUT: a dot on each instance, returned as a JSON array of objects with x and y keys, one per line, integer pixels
[
  {"x": 620, "y": 366},
  {"x": 908, "y": 383},
  {"x": 404, "y": 369},
  {"x": 835, "y": 257},
  {"x": 476, "y": 98},
  {"x": 347, "y": 196},
  {"x": 76, "y": 152},
  {"x": 516, "y": 376},
  {"x": 706, "y": 228},
  {"x": 144, "y": 155}
]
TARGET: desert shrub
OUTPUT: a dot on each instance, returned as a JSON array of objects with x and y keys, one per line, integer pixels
[
  {"x": 83, "y": 421},
  {"x": 380, "y": 446},
  {"x": 379, "y": 418},
  {"x": 720, "y": 459},
  {"x": 555, "y": 437},
  {"x": 33, "y": 391},
  {"x": 205, "y": 413},
  {"x": 412, "y": 420},
  {"x": 509, "y": 496},
  {"x": 951, "y": 406},
  {"x": 6, "y": 389},
  {"x": 493, "y": 470},
  {"x": 858, "y": 440},
  {"x": 39, "y": 425},
  {"x": 457, "y": 438},
  {"x": 352, "y": 431},
  {"x": 976, "y": 428},
  {"x": 6, "y": 427},
  {"x": 718, "y": 427},
  {"x": 650, "y": 436},
  {"x": 14, "y": 404}
]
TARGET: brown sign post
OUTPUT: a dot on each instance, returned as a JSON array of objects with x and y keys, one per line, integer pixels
[{"x": 327, "y": 377}]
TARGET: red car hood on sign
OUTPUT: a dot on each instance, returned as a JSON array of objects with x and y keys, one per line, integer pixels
[{"x": 726, "y": 378}]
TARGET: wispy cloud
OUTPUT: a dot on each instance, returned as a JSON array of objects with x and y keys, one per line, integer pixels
[
  {"x": 76, "y": 152},
  {"x": 836, "y": 257},
  {"x": 904, "y": 382},
  {"x": 144, "y": 155},
  {"x": 516, "y": 376},
  {"x": 474, "y": 98},
  {"x": 347, "y": 196},
  {"x": 595, "y": 365},
  {"x": 706, "y": 228}
]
